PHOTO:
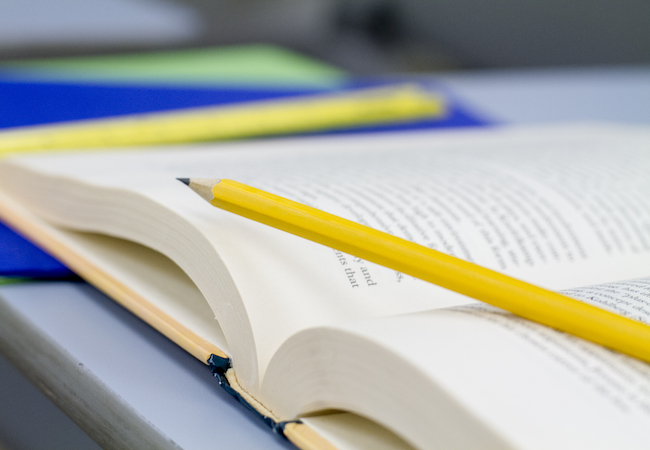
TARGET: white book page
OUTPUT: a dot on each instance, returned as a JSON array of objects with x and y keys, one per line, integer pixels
[
  {"x": 133, "y": 274},
  {"x": 352, "y": 432},
  {"x": 553, "y": 207},
  {"x": 628, "y": 298},
  {"x": 532, "y": 386}
]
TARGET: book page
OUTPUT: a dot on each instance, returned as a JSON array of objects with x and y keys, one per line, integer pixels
[
  {"x": 628, "y": 298},
  {"x": 559, "y": 208},
  {"x": 532, "y": 386},
  {"x": 144, "y": 281},
  {"x": 351, "y": 432},
  {"x": 510, "y": 203}
]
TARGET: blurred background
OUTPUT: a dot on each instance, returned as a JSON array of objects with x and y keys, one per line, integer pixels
[
  {"x": 362, "y": 36},
  {"x": 449, "y": 38}
]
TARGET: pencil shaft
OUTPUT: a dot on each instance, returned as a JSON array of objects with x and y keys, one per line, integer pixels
[{"x": 523, "y": 299}]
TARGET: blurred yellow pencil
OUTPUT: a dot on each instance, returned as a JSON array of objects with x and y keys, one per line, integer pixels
[{"x": 393, "y": 104}]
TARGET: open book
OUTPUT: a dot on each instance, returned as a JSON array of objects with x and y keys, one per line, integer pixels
[{"x": 310, "y": 331}]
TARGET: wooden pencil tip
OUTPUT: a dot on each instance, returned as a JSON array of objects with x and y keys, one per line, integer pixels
[{"x": 202, "y": 186}]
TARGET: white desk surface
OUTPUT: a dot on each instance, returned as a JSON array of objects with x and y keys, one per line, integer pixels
[
  {"x": 127, "y": 386},
  {"x": 123, "y": 382},
  {"x": 556, "y": 95}
]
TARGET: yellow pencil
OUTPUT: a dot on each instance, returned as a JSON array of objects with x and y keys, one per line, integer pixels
[
  {"x": 375, "y": 106},
  {"x": 523, "y": 299}
]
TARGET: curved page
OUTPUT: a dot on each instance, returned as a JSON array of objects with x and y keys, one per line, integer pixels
[
  {"x": 473, "y": 377},
  {"x": 141, "y": 279}
]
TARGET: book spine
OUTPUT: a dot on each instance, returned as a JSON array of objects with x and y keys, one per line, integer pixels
[{"x": 219, "y": 366}]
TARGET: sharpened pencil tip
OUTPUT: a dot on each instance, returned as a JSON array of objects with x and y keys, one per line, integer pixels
[{"x": 184, "y": 180}]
